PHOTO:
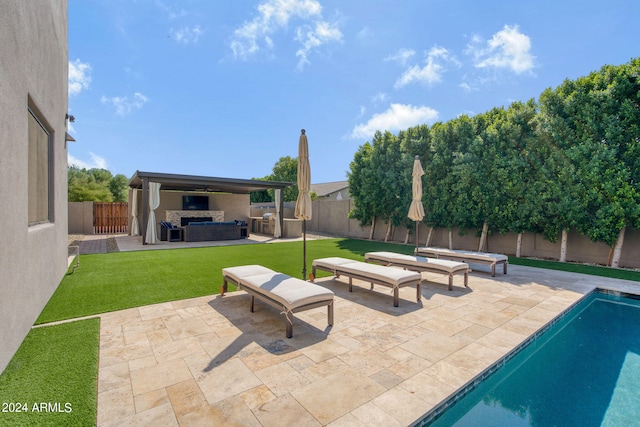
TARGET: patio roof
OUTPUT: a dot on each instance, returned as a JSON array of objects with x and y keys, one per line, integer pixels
[
  {"x": 204, "y": 183},
  {"x": 172, "y": 182}
]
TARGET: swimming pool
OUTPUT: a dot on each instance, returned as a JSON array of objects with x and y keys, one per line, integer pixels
[{"x": 583, "y": 371}]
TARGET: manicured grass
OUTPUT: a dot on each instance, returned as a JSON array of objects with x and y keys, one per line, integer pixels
[
  {"x": 115, "y": 281},
  {"x": 59, "y": 364},
  {"x": 53, "y": 377},
  {"x": 594, "y": 270}
]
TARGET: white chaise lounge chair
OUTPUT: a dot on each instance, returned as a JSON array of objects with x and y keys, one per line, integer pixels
[
  {"x": 466, "y": 256},
  {"x": 418, "y": 263},
  {"x": 374, "y": 274},
  {"x": 283, "y": 292}
]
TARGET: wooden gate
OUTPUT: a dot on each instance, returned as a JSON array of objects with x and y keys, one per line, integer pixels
[{"x": 110, "y": 218}]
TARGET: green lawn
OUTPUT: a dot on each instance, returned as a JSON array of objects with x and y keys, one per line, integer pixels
[
  {"x": 45, "y": 370},
  {"x": 114, "y": 281},
  {"x": 53, "y": 377}
]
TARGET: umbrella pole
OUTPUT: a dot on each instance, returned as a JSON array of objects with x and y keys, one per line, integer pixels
[
  {"x": 416, "y": 237},
  {"x": 304, "y": 249}
]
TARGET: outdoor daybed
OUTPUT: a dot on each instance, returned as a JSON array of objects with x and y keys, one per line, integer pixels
[
  {"x": 466, "y": 256},
  {"x": 288, "y": 294},
  {"x": 418, "y": 263},
  {"x": 372, "y": 273}
]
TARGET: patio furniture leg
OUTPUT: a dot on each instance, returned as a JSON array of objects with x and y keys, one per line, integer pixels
[
  {"x": 466, "y": 279},
  {"x": 396, "y": 297},
  {"x": 505, "y": 268},
  {"x": 493, "y": 270},
  {"x": 330, "y": 314},
  {"x": 224, "y": 287},
  {"x": 289, "y": 328},
  {"x": 350, "y": 284},
  {"x": 252, "y": 301},
  {"x": 450, "y": 282},
  {"x": 419, "y": 292}
]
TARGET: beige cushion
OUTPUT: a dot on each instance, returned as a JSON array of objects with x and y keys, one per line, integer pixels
[
  {"x": 402, "y": 260},
  {"x": 470, "y": 255},
  {"x": 331, "y": 263},
  {"x": 392, "y": 276},
  {"x": 288, "y": 291},
  {"x": 238, "y": 273}
]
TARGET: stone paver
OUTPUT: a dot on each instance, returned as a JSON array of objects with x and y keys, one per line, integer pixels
[{"x": 209, "y": 361}]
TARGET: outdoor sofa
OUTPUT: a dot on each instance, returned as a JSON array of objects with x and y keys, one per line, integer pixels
[
  {"x": 372, "y": 273},
  {"x": 209, "y": 230},
  {"x": 286, "y": 293},
  {"x": 466, "y": 256},
  {"x": 418, "y": 263}
]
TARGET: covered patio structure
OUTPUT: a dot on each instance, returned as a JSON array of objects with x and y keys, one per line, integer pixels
[{"x": 187, "y": 184}]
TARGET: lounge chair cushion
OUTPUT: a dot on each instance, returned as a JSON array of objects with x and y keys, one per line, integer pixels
[
  {"x": 403, "y": 260},
  {"x": 470, "y": 255},
  {"x": 287, "y": 294},
  {"x": 393, "y": 277},
  {"x": 289, "y": 291}
]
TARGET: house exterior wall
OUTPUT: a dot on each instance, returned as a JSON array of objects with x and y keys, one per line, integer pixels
[{"x": 33, "y": 72}]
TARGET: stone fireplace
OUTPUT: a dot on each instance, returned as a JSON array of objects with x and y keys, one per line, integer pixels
[{"x": 175, "y": 217}]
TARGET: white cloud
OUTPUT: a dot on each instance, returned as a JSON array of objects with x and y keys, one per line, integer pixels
[
  {"x": 96, "y": 162},
  {"x": 431, "y": 72},
  {"x": 186, "y": 35},
  {"x": 401, "y": 56},
  {"x": 508, "y": 48},
  {"x": 123, "y": 104},
  {"x": 397, "y": 117},
  {"x": 274, "y": 15},
  {"x": 79, "y": 76},
  {"x": 323, "y": 33}
]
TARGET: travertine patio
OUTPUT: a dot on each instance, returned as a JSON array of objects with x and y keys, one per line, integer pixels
[{"x": 209, "y": 361}]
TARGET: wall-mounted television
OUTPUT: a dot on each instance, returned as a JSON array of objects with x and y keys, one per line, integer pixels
[{"x": 195, "y": 203}]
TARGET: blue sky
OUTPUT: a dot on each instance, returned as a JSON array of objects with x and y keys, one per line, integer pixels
[{"x": 222, "y": 88}]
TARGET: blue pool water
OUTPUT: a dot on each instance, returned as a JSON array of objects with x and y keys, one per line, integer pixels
[{"x": 583, "y": 371}]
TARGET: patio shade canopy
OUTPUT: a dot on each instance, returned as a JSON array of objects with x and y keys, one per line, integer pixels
[
  {"x": 171, "y": 182},
  {"x": 203, "y": 183}
]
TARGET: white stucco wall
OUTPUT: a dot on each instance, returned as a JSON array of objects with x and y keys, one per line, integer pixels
[{"x": 33, "y": 65}]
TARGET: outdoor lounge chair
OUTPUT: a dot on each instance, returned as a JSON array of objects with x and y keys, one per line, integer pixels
[
  {"x": 418, "y": 263},
  {"x": 374, "y": 274},
  {"x": 466, "y": 256},
  {"x": 283, "y": 292}
]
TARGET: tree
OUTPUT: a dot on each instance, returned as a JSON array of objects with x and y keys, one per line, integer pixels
[
  {"x": 594, "y": 121},
  {"x": 119, "y": 188},
  {"x": 95, "y": 185},
  {"x": 284, "y": 170},
  {"x": 361, "y": 187}
]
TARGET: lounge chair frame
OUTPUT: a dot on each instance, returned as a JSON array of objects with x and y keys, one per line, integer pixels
[
  {"x": 466, "y": 256},
  {"x": 264, "y": 297},
  {"x": 337, "y": 271},
  {"x": 431, "y": 267}
]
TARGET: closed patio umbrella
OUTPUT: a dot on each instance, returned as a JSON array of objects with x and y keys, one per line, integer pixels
[
  {"x": 416, "y": 210},
  {"x": 303, "y": 203}
]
